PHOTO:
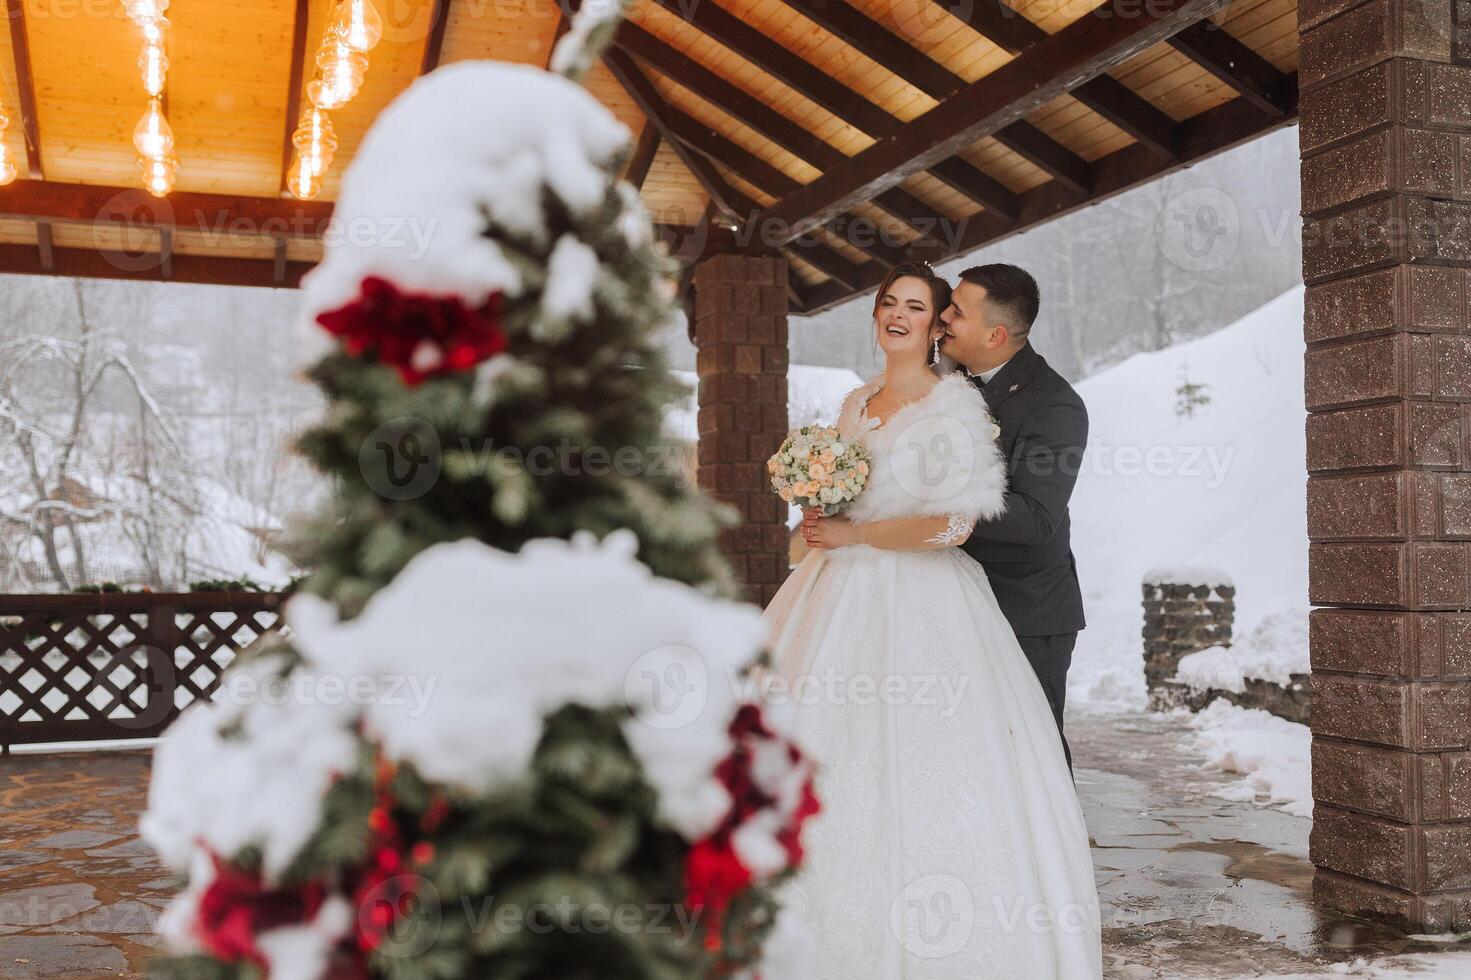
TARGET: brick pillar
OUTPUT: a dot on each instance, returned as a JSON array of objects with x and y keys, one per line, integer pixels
[
  {"x": 1386, "y": 193},
  {"x": 741, "y": 334}
]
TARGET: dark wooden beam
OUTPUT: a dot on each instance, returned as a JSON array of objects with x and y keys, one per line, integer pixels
[
  {"x": 863, "y": 33},
  {"x": 1027, "y": 141},
  {"x": 938, "y": 82},
  {"x": 209, "y": 214},
  {"x": 278, "y": 263},
  {"x": 748, "y": 42},
  {"x": 45, "y": 246},
  {"x": 656, "y": 111},
  {"x": 295, "y": 78},
  {"x": 1211, "y": 132},
  {"x": 30, "y": 125},
  {"x": 88, "y": 264},
  {"x": 166, "y": 252},
  {"x": 434, "y": 43},
  {"x": 1084, "y": 49},
  {"x": 997, "y": 22},
  {"x": 1255, "y": 78},
  {"x": 701, "y": 148},
  {"x": 1126, "y": 109},
  {"x": 692, "y": 132},
  {"x": 672, "y": 63},
  {"x": 797, "y": 140},
  {"x": 643, "y": 156},
  {"x": 25, "y": 83},
  {"x": 1014, "y": 33}
]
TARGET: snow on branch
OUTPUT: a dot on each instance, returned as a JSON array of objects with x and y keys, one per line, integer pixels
[{"x": 591, "y": 32}]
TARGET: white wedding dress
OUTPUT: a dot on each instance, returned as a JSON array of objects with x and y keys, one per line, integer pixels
[{"x": 951, "y": 844}]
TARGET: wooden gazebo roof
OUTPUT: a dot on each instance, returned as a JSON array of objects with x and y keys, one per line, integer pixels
[{"x": 948, "y": 124}]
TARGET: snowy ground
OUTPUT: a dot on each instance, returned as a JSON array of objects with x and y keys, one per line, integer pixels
[{"x": 1225, "y": 489}]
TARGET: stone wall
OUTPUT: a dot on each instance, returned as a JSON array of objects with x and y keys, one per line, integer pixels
[{"x": 1181, "y": 618}]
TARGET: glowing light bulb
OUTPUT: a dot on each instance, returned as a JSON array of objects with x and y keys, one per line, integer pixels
[
  {"x": 315, "y": 141},
  {"x": 7, "y": 168},
  {"x": 158, "y": 175},
  {"x": 142, "y": 11},
  {"x": 303, "y": 180},
  {"x": 359, "y": 25},
  {"x": 323, "y": 96},
  {"x": 343, "y": 71},
  {"x": 153, "y": 136},
  {"x": 154, "y": 65}
]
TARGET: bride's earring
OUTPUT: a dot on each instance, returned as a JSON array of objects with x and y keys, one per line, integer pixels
[{"x": 936, "y": 358}]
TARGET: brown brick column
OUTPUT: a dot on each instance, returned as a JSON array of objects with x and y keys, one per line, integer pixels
[
  {"x": 1386, "y": 187},
  {"x": 741, "y": 334}
]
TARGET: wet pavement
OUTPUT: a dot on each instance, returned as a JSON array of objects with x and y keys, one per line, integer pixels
[
  {"x": 1197, "y": 886},
  {"x": 1192, "y": 886},
  {"x": 80, "y": 893}
]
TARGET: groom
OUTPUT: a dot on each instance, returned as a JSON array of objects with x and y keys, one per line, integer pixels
[{"x": 1026, "y": 552}]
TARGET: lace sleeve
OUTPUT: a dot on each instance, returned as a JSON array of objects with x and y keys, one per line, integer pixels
[{"x": 957, "y": 529}]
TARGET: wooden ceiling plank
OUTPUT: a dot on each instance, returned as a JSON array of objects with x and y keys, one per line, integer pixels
[
  {"x": 166, "y": 252},
  {"x": 821, "y": 88},
  {"x": 25, "y": 82},
  {"x": 294, "y": 81},
  {"x": 1214, "y": 48},
  {"x": 1211, "y": 132},
  {"x": 1084, "y": 49},
  {"x": 916, "y": 68},
  {"x": 643, "y": 156}
]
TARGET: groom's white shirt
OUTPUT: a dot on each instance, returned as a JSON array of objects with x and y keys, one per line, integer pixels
[{"x": 986, "y": 376}]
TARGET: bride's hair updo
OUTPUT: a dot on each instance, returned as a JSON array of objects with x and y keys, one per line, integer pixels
[{"x": 939, "y": 288}]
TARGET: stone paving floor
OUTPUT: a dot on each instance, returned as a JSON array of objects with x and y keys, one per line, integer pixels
[
  {"x": 79, "y": 891},
  {"x": 1192, "y": 886}
]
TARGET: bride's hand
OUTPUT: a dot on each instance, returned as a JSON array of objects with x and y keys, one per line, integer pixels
[{"x": 825, "y": 533}]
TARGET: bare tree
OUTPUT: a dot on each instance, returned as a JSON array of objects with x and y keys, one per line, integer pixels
[{"x": 60, "y": 389}]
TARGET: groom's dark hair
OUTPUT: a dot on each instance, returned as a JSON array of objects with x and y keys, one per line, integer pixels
[{"x": 1011, "y": 291}]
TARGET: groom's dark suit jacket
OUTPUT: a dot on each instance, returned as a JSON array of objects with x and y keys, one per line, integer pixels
[{"x": 1027, "y": 552}]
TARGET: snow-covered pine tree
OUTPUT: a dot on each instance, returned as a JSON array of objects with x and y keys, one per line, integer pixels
[
  {"x": 532, "y": 412},
  {"x": 489, "y": 750}
]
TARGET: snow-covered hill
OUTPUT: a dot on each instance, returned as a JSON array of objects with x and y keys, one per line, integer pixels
[{"x": 1225, "y": 488}]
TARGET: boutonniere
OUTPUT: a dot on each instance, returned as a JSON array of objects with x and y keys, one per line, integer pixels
[{"x": 995, "y": 432}]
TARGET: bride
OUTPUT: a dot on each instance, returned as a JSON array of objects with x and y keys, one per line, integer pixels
[{"x": 951, "y": 843}]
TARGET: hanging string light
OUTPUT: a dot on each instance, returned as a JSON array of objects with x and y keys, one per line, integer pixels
[
  {"x": 153, "y": 136},
  {"x": 7, "y": 166},
  {"x": 355, "y": 28}
]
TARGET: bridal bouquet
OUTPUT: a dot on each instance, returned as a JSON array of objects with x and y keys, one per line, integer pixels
[{"x": 816, "y": 467}]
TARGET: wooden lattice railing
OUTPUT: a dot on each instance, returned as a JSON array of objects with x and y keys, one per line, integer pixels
[{"x": 116, "y": 666}]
